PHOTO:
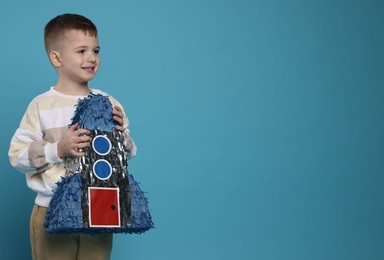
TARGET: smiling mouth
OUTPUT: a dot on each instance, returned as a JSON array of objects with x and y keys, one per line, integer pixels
[{"x": 89, "y": 69}]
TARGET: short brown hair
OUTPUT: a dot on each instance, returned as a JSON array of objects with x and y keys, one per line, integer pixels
[{"x": 58, "y": 25}]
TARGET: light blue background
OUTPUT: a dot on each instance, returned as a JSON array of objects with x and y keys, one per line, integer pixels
[{"x": 259, "y": 123}]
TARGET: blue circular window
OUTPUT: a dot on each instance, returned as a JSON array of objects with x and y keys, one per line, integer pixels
[
  {"x": 101, "y": 145},
  {"x": 102, "y": 169}
]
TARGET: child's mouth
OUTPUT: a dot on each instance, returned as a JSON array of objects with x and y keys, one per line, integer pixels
[{"x": 89, "y": 69}]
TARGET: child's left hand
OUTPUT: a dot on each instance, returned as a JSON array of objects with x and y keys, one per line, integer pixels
[{"x": 119, "y": 118}]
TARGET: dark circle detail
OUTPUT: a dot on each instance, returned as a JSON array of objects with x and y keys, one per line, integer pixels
[
  {"x": 102, "y": 169},
  {"x": 101, "y": 145}
]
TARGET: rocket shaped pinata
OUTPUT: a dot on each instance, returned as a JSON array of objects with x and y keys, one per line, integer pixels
[{"x": 97, "y": 194}]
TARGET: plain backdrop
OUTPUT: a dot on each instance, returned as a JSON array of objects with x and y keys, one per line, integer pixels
[{"x": 259, "y": 123}]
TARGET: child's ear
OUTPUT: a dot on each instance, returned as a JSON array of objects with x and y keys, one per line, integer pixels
[{"x": 55, "y": 58}]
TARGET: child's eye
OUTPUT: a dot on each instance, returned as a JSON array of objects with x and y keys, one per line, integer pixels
[
  {"x": 81, "y": 51},
  {"x": 96, "y": 51}
]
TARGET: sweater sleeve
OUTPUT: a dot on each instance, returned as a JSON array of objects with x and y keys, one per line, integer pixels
[
  {"x": 129, "y": 143},
  {"x": 28, "y": 151}
]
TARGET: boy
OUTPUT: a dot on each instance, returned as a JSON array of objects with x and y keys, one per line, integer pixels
[{"x": 43, "y": 138}]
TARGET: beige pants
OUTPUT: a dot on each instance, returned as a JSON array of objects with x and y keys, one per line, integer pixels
[{"x": 65, "y": 247}]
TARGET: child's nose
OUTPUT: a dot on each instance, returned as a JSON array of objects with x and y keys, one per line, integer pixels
[{"x": 92, "y": 57}]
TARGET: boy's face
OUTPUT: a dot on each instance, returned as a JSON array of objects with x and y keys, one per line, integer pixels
[{"x": 79, "y": 57}]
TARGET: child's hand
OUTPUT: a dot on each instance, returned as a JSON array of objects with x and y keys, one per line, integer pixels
[
  {"x": 73, "y": 142},
  {"x": 119, "y": 118}
]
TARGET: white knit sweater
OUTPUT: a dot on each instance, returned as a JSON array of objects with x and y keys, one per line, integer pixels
[{"x": 33, "y": 148}]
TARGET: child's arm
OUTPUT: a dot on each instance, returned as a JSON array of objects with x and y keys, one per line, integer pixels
[
  {"x": 31, "y": 152},
  {"x": 119, "y": 118},
  {"x": 28, "y": 151},
  {"x": 123, "y": 123},
  {"x": 73, "y": 142}
]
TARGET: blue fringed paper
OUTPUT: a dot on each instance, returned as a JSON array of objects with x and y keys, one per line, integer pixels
[
  {"x": 95, "y": 113},
  {"x": 64, "y": 214},
  {"x": 70, "y": 208},
  {"x": 65, "y": 211}
]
